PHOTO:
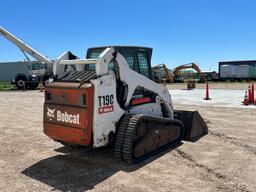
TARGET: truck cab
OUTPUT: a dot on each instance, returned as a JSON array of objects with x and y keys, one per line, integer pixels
[
  {"x": 38, "y": 68},
  {"x": 33, "y": 72}
]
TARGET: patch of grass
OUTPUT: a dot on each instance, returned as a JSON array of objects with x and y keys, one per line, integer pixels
[{"x": 5, "y": 86}]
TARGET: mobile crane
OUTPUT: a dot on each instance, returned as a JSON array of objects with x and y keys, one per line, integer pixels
[
  {"x": 42, "y": 72},
  {"x": 112, "y": 99},
  {"x": 38, "y": 71}
]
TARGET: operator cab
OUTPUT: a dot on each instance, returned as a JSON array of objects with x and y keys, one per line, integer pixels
[{"x": 138, "y": 58}]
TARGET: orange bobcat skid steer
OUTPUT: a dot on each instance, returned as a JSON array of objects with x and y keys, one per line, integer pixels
[{"x": 105, "y": 101}]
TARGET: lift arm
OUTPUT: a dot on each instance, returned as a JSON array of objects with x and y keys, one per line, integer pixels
[{"x": 25, "y": 48}]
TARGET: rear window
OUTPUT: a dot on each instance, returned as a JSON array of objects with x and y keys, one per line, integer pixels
[
  {"x": 94, "y": 54},
  {"x": 136, "y": 59}
]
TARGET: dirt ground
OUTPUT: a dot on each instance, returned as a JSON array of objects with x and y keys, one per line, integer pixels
[{"x": 224, "y": 160}]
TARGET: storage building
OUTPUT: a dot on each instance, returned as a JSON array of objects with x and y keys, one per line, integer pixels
[{"x": 8, "y": 70}]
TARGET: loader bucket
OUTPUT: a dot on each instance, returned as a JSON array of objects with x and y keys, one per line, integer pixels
[{"x": 195, "y": 126}]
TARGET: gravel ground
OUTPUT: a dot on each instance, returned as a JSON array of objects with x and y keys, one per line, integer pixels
[{"x": 224, "y": 160}]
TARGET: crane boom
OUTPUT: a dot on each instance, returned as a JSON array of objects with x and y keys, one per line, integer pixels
[{"x": 26, "y": 48}]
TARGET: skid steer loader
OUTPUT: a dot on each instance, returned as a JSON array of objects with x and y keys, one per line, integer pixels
[{"x": 113, "y": 100}]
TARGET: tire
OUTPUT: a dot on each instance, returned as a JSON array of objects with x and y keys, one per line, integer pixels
[
  {"x": 20, "y": 83},
  {"x": 33, "y": 86}
]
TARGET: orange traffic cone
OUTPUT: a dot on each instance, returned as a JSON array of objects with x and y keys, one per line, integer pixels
[
  {"x": 249, "y": 93},
  {"x": 246, "y": 99},
  {"x": 252, "y": 92},
  {"x": 207, "y": 92}
]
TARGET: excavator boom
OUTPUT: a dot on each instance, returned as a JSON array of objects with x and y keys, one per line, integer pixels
[{"x": 194, "y": 66}]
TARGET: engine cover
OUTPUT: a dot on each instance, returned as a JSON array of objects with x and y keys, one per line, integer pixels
[{"x": 68, "y": 112}]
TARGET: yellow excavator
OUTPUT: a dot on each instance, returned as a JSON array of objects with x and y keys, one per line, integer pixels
[{"x": 162, "y": 74}]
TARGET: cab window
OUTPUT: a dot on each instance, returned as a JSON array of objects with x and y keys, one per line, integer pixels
[
  {"x": 94, "y": 55},
  {"x": 38, "y": 66},
  {"x": 143, "y": 63}
]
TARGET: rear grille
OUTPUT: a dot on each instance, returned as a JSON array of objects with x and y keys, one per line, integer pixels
[{"x": 79, "y": 76}]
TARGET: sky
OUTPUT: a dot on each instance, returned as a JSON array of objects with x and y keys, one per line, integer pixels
[{"x": 179, "y": 31}]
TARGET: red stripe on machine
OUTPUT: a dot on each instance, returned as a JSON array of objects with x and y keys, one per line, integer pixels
[
  {"x": 140, "y": 100},
  {"x": 106, "y": 109}
]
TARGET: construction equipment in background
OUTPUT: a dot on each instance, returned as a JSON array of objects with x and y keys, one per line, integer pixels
[
  {"x": 113, "y": 100},
  {"x": 211, "y": 76},
  {"x": 38, "y": 71},
  {"x": 191, "y": 85},
  {"x": 176, "y": 71},
  {"x": 162, "y": 74}
]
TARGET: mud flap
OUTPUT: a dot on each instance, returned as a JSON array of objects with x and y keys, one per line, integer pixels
[{"x": 195, "y": 126}]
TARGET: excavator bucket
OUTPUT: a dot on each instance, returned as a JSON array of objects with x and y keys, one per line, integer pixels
[{"x": 195, "y": 126}]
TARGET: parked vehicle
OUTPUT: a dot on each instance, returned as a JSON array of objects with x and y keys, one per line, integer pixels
[
  {"x": 162, "y": 74},
  {"x": 212, "y": 76},
  {"x": 237, "y": 70}
]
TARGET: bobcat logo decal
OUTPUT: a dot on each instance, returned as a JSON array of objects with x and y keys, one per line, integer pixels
[{"x": 50, "y": 113}]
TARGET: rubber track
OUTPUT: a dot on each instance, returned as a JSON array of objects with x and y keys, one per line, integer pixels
[
  {"x": 120, "y": 136},
  {"x": 127, "y": 150},
  {"x": 123, "y": 148}
]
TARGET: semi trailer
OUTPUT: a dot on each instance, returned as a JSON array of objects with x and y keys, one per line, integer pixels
[{"x": 237, "y": 70}]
